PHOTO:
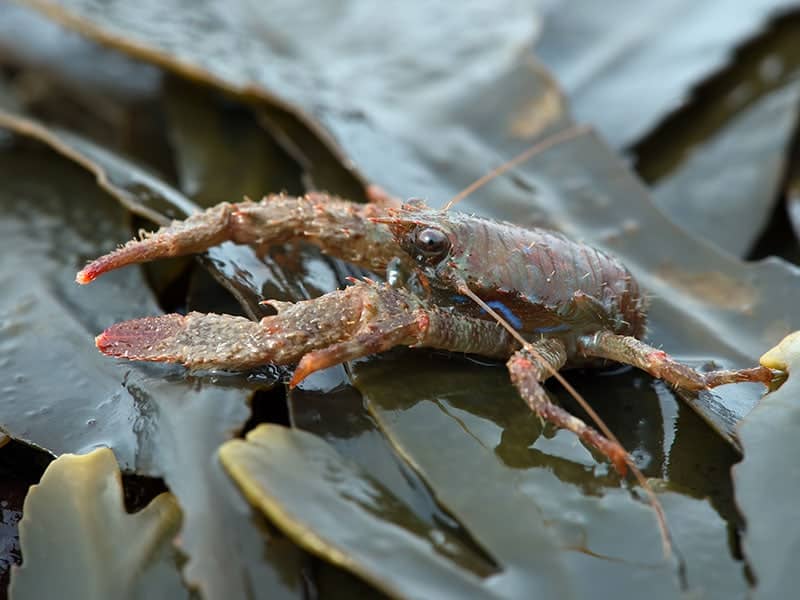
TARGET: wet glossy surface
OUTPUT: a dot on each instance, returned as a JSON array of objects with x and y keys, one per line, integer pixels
[
  {"x": 151, "y": 416},
  {"x": 63, "y": 557},
  {"x": 482, "y": 466},
  {"x": 362, "y": 522},
  {"x": 628, "y": 66},
  {"x": 768, "y": 479}
]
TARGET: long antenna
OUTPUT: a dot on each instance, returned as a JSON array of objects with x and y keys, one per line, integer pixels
[
  {"x": 563, "y": 136},
  {"x": 661, "y": 518},
  {"x": 553, "y": 140}
]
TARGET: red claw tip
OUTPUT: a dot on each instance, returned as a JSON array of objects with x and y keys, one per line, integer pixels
[
  {"x": 103, "y": 341},
  {"x": 93, "y": 270},
  {"x": 135, "y": 339},
  {"x": 300, "y": 373},
  {"x": 308, "y": 364},
  {"x": 86, "y": 275}
]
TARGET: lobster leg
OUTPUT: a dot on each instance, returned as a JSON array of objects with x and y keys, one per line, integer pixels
[
  {"x": 339, "y": 227},
  {"x": 529, "y": 370},
  {"x": 631, "y": 351}
]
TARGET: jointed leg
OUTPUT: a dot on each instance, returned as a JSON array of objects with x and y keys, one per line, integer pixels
[
  {"x": 528, "y": 371},
  {"x": 340, "y": 228},
  {"x": 631, "y": 351}
]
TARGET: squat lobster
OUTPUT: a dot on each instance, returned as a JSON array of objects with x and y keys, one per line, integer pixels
[{"x": 571, "y": 304}]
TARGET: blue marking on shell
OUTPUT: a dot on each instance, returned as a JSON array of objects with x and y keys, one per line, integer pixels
[
  {"x": 553, "y": 329},
  {"x": 506, "y": 312},
  {"x": 459, "y": 299}
]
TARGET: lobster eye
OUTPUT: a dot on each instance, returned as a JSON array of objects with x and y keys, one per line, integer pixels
[{"x": 432, "y": 242}]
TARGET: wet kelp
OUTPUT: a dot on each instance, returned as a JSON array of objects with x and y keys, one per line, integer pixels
[{"x": 445, "y": 459}]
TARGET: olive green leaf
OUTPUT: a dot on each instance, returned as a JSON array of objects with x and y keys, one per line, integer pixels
[
  {"x": 291, "y": 475},
  {"x": 78, "y": 541},
  {"x": 768, "y": 479}
]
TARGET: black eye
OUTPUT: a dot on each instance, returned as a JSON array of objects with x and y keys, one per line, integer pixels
[{"x": 432, "y": 242}]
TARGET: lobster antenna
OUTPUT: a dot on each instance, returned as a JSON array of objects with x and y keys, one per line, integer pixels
[
  {"x": 563, "y": 136},
  {"x": 666, "y": 539},
  {"x": 550, "y": 141}
]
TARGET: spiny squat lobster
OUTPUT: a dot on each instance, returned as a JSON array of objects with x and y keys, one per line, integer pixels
[{"x": 574, "y": 305}]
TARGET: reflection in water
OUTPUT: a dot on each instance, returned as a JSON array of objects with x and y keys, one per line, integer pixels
[
  {"x": 326, "y": 404},
  {"x": 505, "y": 479},
  {"x": 626, "y": 401},
  {"x": 700, "y": 464},
  {"x": 462, "y": 389},
  {"x": 669, "y": 441}
]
